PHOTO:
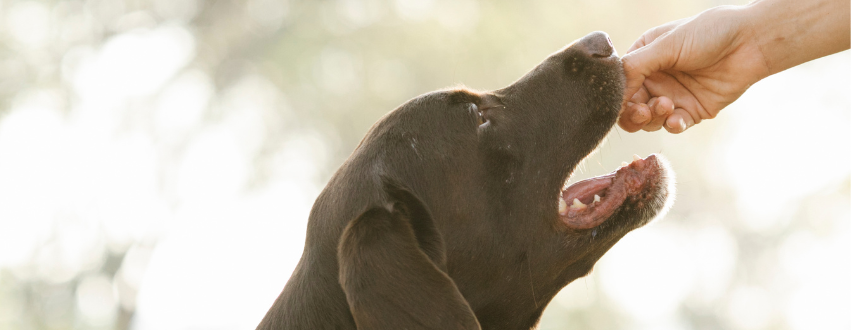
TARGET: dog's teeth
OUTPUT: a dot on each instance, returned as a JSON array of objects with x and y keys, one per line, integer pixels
[
  {"x": 596, "y": 198},
  {"x": 635, "y": 157},
  {"x": 624, "y": 164},
  {"x": 562, "y": 206},
  {"x": 577, "y": 205}
]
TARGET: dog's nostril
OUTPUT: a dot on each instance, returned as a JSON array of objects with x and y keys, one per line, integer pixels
[{"x": 597, "y": 45}]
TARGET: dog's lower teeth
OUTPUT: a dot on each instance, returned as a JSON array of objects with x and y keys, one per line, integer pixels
[
  {"x": 624, "y": 164},
  {"x": 577, "y": 205},
  {"x": 596, "y": 198},
  {"x": 562, "y": 206},
  {"x": 635, "y": 157}
]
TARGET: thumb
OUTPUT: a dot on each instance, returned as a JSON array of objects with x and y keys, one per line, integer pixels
[{"x": 660, "y": 54}]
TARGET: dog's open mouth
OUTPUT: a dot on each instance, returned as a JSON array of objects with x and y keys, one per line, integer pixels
[{"x": 643, "y": 183}]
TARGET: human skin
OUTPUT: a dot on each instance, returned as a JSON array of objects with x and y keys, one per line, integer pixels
[{"x": 685, "y": 71}]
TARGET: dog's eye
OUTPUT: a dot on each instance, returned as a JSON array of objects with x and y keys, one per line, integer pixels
[{"x": 480, "y": 116}]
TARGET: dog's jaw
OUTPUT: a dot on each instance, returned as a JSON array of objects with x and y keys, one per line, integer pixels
[{"x": 588, "y": 203}]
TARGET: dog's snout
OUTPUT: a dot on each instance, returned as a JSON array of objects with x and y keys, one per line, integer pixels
[{"x": 597, "y": 44}]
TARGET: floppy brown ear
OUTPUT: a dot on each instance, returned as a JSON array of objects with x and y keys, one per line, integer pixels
[{"x": 391, "y": 260}]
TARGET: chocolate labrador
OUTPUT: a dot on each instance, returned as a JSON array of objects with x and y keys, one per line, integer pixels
[{"x": 452, "y": 212}]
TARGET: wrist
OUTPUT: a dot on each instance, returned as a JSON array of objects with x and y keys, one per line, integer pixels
[
  {"x": 758, "y": 30},
  {"x": 791, "y": 32},
  {"x": 755, "y": 30}
]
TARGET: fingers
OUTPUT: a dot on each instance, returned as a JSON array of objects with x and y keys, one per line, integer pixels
[
  {"x": 640, "y": 42},
  {"x": 660, "y": 54},
  {"x": 658, "y": 112},
  {"x": 656, "y": 50},
  {"x": 650, "y": 116},
  {"x": 635, "y": 112},
  {"x": 661, "y": 108},
  {"x": 654, "y": 33},
  {"x": 641, "y": 96},
  {"x": 679, "y": 121},
  {"x": 634, "y": 117},
  {"x": 658, "y": 31},
  {"x": 634, "y": 79},
  {"x": 688, "y": 109}
]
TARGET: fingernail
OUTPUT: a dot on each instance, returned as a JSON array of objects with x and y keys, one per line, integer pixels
[{"x": 683, "y": 125}]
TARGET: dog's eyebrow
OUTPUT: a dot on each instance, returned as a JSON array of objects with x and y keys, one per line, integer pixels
[{"x": 463, "y": 95}]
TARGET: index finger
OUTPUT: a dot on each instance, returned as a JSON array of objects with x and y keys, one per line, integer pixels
[{"x": 651, "y": 35}]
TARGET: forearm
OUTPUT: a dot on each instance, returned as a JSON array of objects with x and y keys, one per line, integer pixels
[{"x": 791, "y": 32}]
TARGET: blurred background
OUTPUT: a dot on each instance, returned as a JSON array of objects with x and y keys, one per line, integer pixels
[{"x": 158, "y": 160}]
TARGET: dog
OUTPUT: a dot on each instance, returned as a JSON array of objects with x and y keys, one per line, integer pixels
[{"x": 452, "y": 212}]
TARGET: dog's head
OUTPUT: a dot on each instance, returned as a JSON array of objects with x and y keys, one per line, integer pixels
[{"x": 466, "y": 206}]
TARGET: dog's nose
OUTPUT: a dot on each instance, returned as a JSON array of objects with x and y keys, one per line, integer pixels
[{"x": 596, "y": 44}]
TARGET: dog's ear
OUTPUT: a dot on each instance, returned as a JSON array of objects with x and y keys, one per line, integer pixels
[
  {"x": 428, "y": 238},
  {"x": 392, "y": 269}
]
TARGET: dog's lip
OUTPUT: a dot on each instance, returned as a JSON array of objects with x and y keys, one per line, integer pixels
[{"x": 588, "y": 203}]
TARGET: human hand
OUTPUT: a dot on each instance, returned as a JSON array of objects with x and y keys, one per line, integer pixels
[{"x": 682, "y": 72}]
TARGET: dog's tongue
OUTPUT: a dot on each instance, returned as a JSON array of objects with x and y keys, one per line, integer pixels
[{"x": 588, "y": 203}]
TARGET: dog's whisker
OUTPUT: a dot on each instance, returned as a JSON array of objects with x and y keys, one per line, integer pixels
[{"x": 531, "y": 281}]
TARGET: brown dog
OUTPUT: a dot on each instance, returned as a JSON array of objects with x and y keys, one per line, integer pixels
[{"x": 451, "y": 213}]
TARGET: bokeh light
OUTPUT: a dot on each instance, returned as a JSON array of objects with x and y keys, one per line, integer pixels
[{"x": 159, "y": 158}]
